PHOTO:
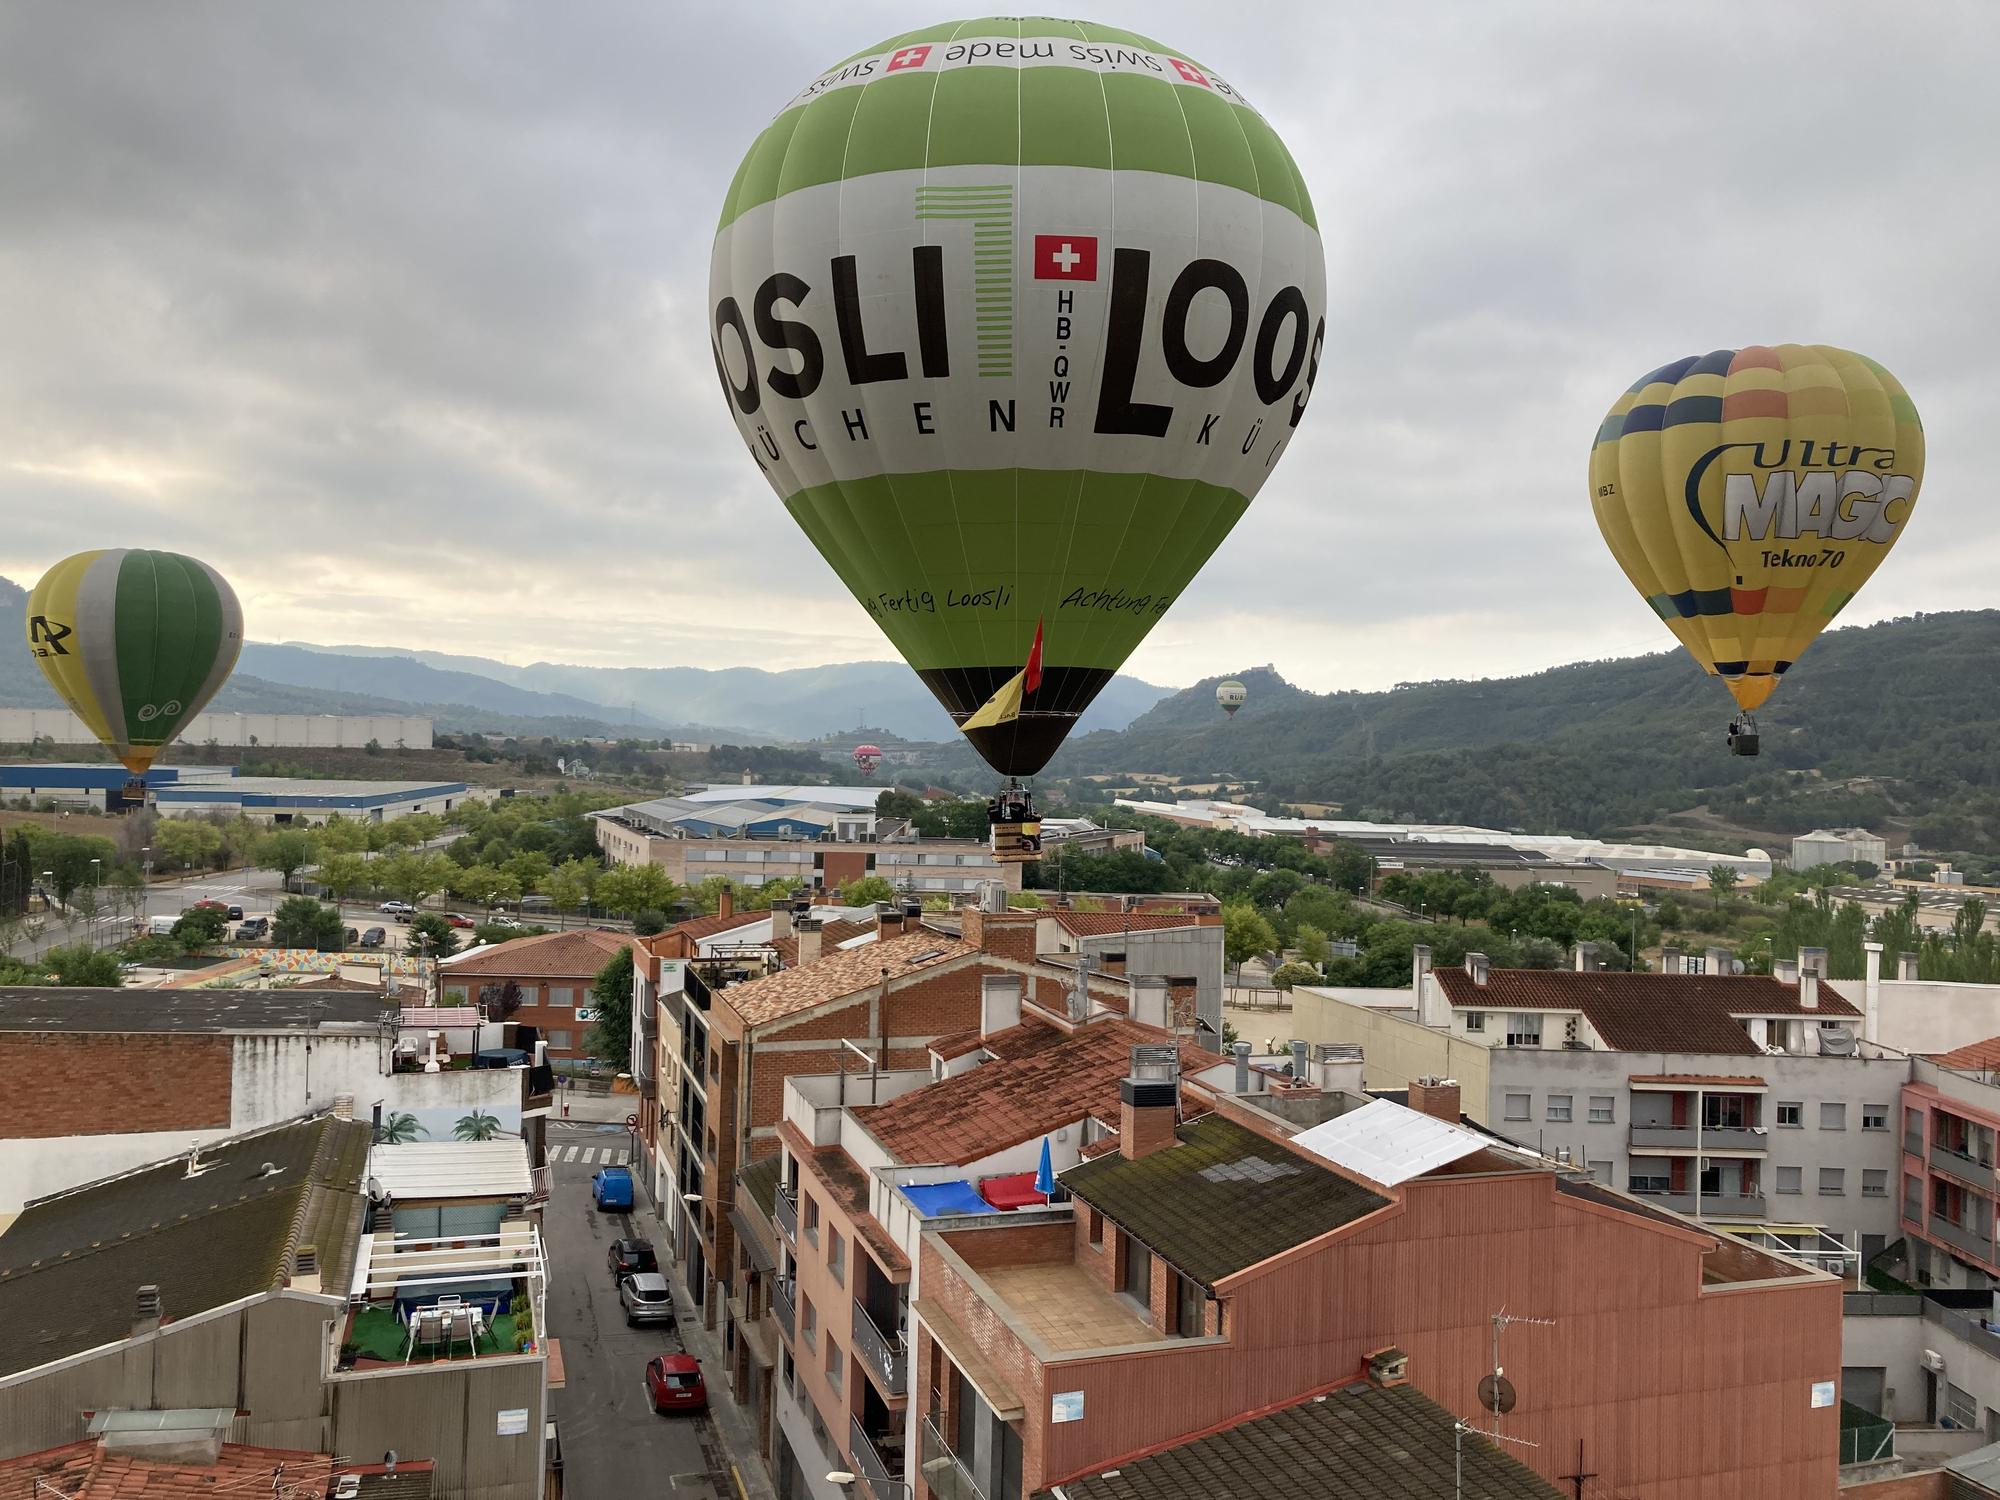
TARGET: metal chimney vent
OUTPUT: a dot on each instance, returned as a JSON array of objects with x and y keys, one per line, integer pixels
[
  {"x": 149, "y": 1301},
  {"x": 305, "y": 1261}
]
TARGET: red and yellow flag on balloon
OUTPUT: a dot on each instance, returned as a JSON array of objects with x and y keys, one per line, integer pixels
[{"x": 1005, "y": 706}]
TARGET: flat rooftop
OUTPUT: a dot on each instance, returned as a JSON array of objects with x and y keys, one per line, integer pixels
[
  {"x": 1067, "y": 1308},
  {"x": 304, "y": 786},
  {"x": 49, "y": 1008}
]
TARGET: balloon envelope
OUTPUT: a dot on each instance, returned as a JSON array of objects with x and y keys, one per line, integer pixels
[
  {"x": 1749, "y": 493},
  {"x": 135, "y": 642},
  {"x": 1230, "y": 696},
  {"x": 1016, "y": 316}
]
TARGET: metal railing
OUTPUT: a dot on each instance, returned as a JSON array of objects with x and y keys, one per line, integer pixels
[
  {"x": 947, "y": 1477},
  {"x": 883, "y": 1354},
  {"x": 784, "y": 1308},
  {"x": 1913, "y": 1143},
  {"x": 1956, "y": 1164},
  {"x": 1970, "y": 1241},
  {"x": 885, "y": 1479},
  {"x": 1720, "y": 1140},
  {"x": 1733, "y": 1205},
  {"x": 1974, "y": 1331},
  {"x": 785, "y": 1210}
]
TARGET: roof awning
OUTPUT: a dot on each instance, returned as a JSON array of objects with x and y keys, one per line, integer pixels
[
  {"x": 972, "y": 1364},
  {"x": 752, "y": 1243}
]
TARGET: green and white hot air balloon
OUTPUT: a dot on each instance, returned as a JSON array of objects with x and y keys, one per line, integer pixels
[{"x": 1017, "y": 316}]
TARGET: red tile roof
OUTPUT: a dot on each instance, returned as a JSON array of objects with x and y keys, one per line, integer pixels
[
  {"x": 1648, "y": 1012},
  {"x": 1029, "y": 1037},
  {"x": 1973, "y": 1057},
  {"x": 84, "y": 1471},
  {"x": 553, "y": 955},
  {"x": 1005, "y": 1103},
  {"x": 835, "y": 975},
  {"x": 1726, "y": 1080},
  {"x": 694, "y": 929},
  {"x": 831, "y": 936},
  {"x": 1104, "y": 923}
]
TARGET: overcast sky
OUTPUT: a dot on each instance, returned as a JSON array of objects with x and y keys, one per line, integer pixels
[{"x": 395, "y": 313}]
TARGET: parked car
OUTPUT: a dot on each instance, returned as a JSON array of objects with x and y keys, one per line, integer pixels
[
  {"x": 501, "y": 922},
  {"x": 611, "y": 1188},
  {"x": 396, "y": 909},
  {"x": 459, "y": 919},
  {"x": 674, "y": 1383},
  {"x": 538, "y": 903},
  {"x": 234, "y": 913},
  {"x": 630, "y": 1256},
  {"x": 646, "y": 1299},
  {"x": 374, "y": 937},
  {"x": 253, "y": 927},
  {"x": 353, "y": 936},
  {"x": 209, "y": 903}
]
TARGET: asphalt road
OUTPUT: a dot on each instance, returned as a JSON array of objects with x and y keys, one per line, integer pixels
[{"x": 613, "y": 1444}]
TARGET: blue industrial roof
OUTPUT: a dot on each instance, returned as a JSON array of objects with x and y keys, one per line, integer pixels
[{"x": 95, "y": 777}]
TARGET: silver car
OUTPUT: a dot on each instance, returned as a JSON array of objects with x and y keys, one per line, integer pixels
[{"x": 646, "y": 1298}]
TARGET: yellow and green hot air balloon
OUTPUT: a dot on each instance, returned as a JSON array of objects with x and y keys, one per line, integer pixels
[
  {"x": 1749, "y": 494},
  {"x": 1017, "y": 316},
  {"x": 135, "y": 642}
]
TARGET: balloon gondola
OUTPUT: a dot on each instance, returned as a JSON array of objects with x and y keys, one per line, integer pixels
[
  {"x": 1748, "y": 494},
  {"x": 1007, "y": 408}
]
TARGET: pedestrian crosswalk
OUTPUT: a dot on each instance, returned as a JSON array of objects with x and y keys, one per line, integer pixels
[{"x": 607, "y": 1155}]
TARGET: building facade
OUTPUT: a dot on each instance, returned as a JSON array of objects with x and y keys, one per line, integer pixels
[
  {"x": 542, "y": 982},
  {"x": 24, "y": 726}
]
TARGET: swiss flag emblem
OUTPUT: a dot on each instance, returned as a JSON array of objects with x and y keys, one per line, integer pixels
[
  {"x": 1065, "y": 257},
  {"x": 908, "y": 57},
  {"x": 1188, "y": 71}
]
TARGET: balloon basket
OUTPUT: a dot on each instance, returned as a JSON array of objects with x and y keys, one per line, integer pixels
[
  {"x": 1015, "y": 832},
  {"x": 1743, "y": 736}
]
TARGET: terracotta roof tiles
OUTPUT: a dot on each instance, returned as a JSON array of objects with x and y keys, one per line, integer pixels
[
  {"x": 1648, "y": 1012},
  {"x": 1103, "y": 923},
  {"x": 82, "y": 1471},
  {"x": 1973, "y": 1057},
  {"x": 835, "y": 975},
  {"x": 577, "y": 954}
]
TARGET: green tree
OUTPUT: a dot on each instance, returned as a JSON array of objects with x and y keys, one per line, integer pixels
[
  {"x": 301, "y": 922},
  {"x": 179, "y": 842},
  {"x": 345, "y": 875},
  {"x": 1245, "y": 934},
  {"x": 398, "y": 1129},
  {"x": 476, "y": 883},
  {"x": 199, "y": 926},
  {"x": 1721, "y": 883},
  {"x": 477, "y": 1126},
  {"x": 626, "y": 889},
  {"x": 1311, "y": 943},
  {"x": 647, "y": 923},
  {"x": 431, "y": 936},
  {"x": 864, "y": 889},
  {"x": 82, "y": 965},
  {"x": 897, "y": 803},
  {"x": 611, "y": 994},
  {"x": 338, "y": 835},
  {"x": 286, "y": 850},
  {"x": 1287, "y": 975},
  {"x": 419, "y": 828},
  {"x": 568, "y": 885}
]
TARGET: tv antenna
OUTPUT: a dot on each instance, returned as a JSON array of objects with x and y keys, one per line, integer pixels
[
  {"x": 1496, "y": 1391},
  {"x": 1459, "y": 1429}
]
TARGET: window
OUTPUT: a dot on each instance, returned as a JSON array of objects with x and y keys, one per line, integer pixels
[
  {"x": 1789, "y": 1180},
  {"x": 835, "y": 1365},
  {"x": 1833, "y": 1180},
  {"x": 1959, "y": 1408},
  {"x": 562, "y": 996},
  {"x": 808, "y": 1320},
  {"x": 1874, "y": 1117},
  {"x": 714, "y": 1062},
  {"x": 559, "y": 1041},
  {"x": 1517, "y": 1106},
  {"x": 1791, "y": 1115},
  {"x": 1524, "y": 1031},
  {"x": 1649, "y": 1179},
  {"x": 1190, "y": 1302},
  {"x": 811, "y": 1206},
  {"x": 1138, "y": 1272},
  {"x": 1833, "y": 1117},
  {"x": 1874, "y": 1182},
  {"x": 1096, "y": 1227},
  {"x": 1913, "y": 1199},
  {"x": 1603, "y": 1109},
  {"x": 1559, "y": 1109},
  {"x": 836, "y": 1256},
  {"x": 1475, "y": 1020}
]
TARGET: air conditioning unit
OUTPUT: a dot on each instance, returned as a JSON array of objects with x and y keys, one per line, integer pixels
[{"x": 1934, "y": 1361}]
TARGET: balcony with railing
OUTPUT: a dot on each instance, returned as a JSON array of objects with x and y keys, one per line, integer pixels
[
  {"x": 785, "y": 1210},
  {"x": 1979, "y": 1246},
  {"x": 1733, "y": 1206},
  {"x": 1713, "y": 1140},
  {"x": 881, "y": 1468},
  {"x": 1962, "y": 1168},
  {"x": 884, "y": 1354},
  {"x": 944, "y": 1472},
  {"x": 784, "y": 1306}
]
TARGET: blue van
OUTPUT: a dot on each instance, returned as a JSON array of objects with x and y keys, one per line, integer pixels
[{"x": 611, "y": 1188}]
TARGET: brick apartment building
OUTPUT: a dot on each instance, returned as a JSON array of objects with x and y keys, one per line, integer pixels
[
  {"x": 1232, "y": 1248},
  {"x": 552, "y": 975}
]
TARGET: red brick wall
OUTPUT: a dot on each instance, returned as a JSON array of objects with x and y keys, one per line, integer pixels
[
  {"x": 1931, "y": 1486},
  {"x": 1008, "y": 1356},
  {"x": 1015, "y": 1245},
  {"x": 86, "y": 1084}
]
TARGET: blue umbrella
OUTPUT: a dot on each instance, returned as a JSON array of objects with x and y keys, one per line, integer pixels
[{"x": 1045, "y": 1174}]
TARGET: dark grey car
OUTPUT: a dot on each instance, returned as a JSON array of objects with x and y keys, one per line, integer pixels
[{"x": 646, "y": 1298}]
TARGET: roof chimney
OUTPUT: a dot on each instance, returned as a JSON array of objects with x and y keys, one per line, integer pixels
[
  {"x": 1388, "y": 1367},
  {"x": 1871, "y": 990},
  {"x": 1436, "y": 1097},
  {"x": 1813, "y": 959},
  {"x": 1242, "y": 1051},
  {"x": 1906, "y": 966},
  {"x": 1586, "y": 958},
  {"x": 343, "y": 1106},
  {"x": 1148, "y": 1101},
  {"x": 1148, "y": 1001},
  {"x": 1299, "y": 1073},
  {"x": 1670, "y": 960},
  {"x": 1476, "y": 966},
  {"x": 1785, "y": 970},
  {"x": 725, "y": 905},
  {"x": 999, "y": 1003},
  {"x": 1721, "y": 961},
  {"x": 913, "y": 912},
  {"x": 806, "y": 929},
  {"x": 888, "y": 921},
  {"x": 1808, "y": 989},
  {"x": 781, "y": 921},
  {"x": 150, "y": 1311}
]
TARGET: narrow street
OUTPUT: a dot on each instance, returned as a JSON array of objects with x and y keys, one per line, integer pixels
[{"x": 614, "y": 1446}]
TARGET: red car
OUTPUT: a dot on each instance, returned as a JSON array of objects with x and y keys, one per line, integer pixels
[
  {"x": 457, "y": 919},
  {"x": 673, "y": 1383}
]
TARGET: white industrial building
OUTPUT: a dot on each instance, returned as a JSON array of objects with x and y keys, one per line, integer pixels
[
  {"x": 25, "y": 726},
  {"x": 1848, "y": 846}
]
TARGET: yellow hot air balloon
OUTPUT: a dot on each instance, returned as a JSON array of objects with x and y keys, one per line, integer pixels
[{"x": 1749, "y": 493}]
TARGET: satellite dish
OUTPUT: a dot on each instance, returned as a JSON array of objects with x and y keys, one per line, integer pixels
[{"x": 1496, "y": 1394}]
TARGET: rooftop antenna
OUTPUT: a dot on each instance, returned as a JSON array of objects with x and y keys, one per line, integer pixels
[
  {"x": 1459, "y": 1428},
  {"x": 1496, "y": 1391}
]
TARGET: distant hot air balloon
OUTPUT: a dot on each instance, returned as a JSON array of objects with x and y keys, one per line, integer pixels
[
  {"x": 1230, "y": 696},
  {"x": 867, "y": 758},
  {"x": 1749, "y": 494},
  {"x": 1016, "y": 316},
  {"x": 135, "y": 642}
]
